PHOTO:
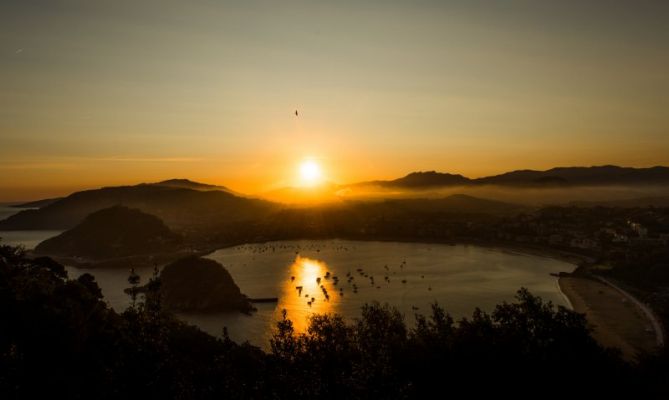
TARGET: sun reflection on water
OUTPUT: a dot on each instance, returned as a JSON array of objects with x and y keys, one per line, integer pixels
[{"x": 309, "y": 288}]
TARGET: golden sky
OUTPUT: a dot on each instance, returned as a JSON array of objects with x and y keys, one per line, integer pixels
[{"x": 121, "y": 92}]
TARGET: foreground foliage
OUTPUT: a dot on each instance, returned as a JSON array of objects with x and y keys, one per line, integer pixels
[{"x": 59, "y": 339}]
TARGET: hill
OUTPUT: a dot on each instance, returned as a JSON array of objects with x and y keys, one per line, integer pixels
[
  {"x": 195, "y": 284},
  {"x": 37, "y": 203},
  {"x": 180, "y": 208},
  {"x": 110, "y": 233},
  {"x": 188, "y": 184},
  {"x": 561, "y": 176},
  {"x": 582, "y": 176},
  {"x": 423, "y": 180}
]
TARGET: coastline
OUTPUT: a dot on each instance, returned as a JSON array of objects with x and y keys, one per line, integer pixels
[
  {"x": 612, "y": 326},
  {"x": 657, "y": 326},
  {"x": 567, "y": 300},
  {"x": 616, "y": 319},
  {"x": 613, "y": 323}
]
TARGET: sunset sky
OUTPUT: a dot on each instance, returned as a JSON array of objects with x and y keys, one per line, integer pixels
[{"x": 119, "y": 92}]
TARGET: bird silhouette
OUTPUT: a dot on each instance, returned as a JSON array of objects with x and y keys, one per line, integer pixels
[{"x": 296, "y": 113}]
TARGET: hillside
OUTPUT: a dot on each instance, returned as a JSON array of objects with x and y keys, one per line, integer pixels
[
  {"x": 113, "y": 232},
  {"x": 195, "y": 284},
  {"x": 555, "y": 177},
  {"x": 180, "y": 208},
  {"x": 197, "y": 208},
  {"x": 583, "y": 176},
  {"x": 188, "y": 184},
  {"x": 37, "y": 203},
  {"x": 423, "y": 180}
]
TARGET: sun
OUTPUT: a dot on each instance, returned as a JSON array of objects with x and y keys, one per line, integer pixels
[{"x": 310, "y": 173}]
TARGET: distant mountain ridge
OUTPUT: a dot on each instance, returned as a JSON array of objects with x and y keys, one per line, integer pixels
[
  {"x": 187, "y": 205},
  {"x": 424, "y": 179},
  {"x": 559, "y": 176},
  {"x": 37, "y": 203},
  {"x": 177, "y": 206},
  {"x": 182, "y": 183}
]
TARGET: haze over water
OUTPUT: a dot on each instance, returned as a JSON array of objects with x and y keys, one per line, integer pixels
[{"x": 28, "y": 239}]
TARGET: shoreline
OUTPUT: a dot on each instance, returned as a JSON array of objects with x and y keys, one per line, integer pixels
[
  {"x": 657, "y": 326},
  {"x": 577, "y": 297},
  {"x": 570, "y": 304},
  {"x": 607, "y": 331},
  {"x": 615, "y": 317}
]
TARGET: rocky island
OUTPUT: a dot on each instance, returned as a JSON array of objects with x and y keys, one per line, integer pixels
[{"x": 195, "y": 284}]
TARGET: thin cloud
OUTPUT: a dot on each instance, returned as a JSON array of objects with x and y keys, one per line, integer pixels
[
  {"x": 37, "y": 166},
  {"x": 74, "y": 163},
  {"x": 148, "y": 159}
]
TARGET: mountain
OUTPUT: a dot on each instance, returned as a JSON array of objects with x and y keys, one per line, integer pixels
[
  {"x": 180, "y": 208},
  {"x": 195, "y": 284},
  {"x": 37, "y": 203},
  {"x": 172, "y": 183},
  {"x": 555, "y": 177},
  {"x": 113, "y": 232},
  {"x": 582, "y": 176},
  {"x": 187, "y": 206},
  {"x": 422, "y": 180},
  {"x": 188, "y": 184}
]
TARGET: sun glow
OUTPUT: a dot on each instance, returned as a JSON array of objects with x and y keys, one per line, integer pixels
[{"x": 310, "y": 173}]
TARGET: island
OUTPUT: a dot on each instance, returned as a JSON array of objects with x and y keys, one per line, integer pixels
[{"x": 196, "y": 284}]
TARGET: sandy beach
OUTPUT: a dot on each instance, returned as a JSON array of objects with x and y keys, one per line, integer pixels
[{"x": 615, "y": 319}]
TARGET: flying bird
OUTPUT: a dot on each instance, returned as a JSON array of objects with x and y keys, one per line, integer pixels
[{"x": 296, "y": 113}]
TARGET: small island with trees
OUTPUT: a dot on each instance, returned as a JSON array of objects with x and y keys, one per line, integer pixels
[{"x": 198, "y": 285}]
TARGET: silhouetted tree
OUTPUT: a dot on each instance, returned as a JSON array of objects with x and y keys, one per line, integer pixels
[{"x": 58, "y": 339}]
